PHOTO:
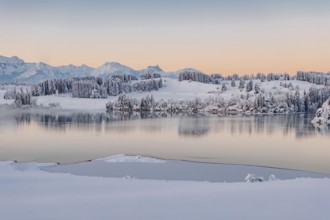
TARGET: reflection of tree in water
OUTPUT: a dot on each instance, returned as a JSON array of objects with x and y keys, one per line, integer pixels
[
  {"x": 194, "y": 126},
  {"x": 82, "y": 121},
  {"x": 23, "y": 118},
  {"x": 299, "y": 124},
  {"x": 189, "y": 125}
]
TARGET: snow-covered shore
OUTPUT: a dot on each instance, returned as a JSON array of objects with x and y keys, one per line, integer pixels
[
  {"x": 146, "y": 168},
  {"x": 28, "y": 193},
  {"x": 173, "y": 90}
]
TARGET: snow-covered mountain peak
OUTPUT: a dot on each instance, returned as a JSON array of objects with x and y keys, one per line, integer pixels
[
  {"x": 113, "y": 66},
  {"x": 190, "y": 70},
  {"x": 14, "y": 69},
  {"x": 84, "y": 66},
  {"x": 41, "y": 66},
  {"x": 110, "y": 68},
  {"x": 11, "y": 60}
]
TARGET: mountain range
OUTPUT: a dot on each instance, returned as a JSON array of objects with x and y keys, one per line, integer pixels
[{"x": 16, "y": 70}]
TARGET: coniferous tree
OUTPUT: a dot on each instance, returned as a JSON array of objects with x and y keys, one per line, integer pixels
[
  {"x": 233, "y": 84},
  {"x": 241, "y": 84},
  {"x": 249, "y": 86}
]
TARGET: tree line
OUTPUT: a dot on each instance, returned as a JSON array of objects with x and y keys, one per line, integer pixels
[
  {"x": 248, "y": 103},
  {"x": 96, "y": 87}
]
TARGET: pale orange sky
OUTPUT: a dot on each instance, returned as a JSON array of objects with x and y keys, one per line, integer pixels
[{"x": 226, "y": 36}]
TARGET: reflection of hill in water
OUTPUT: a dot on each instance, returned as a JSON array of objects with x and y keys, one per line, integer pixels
[{"x": 188, "y": 125}]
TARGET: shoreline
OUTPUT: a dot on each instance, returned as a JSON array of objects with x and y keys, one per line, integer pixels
[
  {"x": 168, "y": 170},
  {"x": 178, "y": 170}
]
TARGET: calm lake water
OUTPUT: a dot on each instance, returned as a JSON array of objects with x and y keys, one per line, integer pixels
[{"x": 281, "y": 141}]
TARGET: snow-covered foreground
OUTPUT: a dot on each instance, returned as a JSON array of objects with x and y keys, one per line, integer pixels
[{"x": 28, "y": 193}]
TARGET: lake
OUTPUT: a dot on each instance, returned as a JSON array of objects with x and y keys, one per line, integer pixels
[{"x": 66, "y": 137}]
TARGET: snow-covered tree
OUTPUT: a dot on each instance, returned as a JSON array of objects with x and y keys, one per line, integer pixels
[
  {"x": 125, "y": 78},
  {"x": 249, "y": 86},
  {"x": 257, "y": 88},
  {"x": 148, "y": 85},
  {"x": 150, "y": 76},
  {"x": 88, "y": 89},
  {"x": 233, "y": 84},
  {"x": 241, "y": 84},
  {"x": 124, "y": 103},
  {"x": 223, "y": 87},
  {"x": 318, "y": 78},
  {"x": 52, "y": 86},
  {"x": 23, "y": 98},
  {"x": 322, "y": 116},
  {"x": 216, "y": 78},
  {"x": 114, "y": 86},
  {"x": 194, "y": 76}
]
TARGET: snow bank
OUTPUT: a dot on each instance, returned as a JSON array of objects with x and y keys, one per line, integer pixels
[
  {"x": 122, "y": 158},
  {"x": 322, "y": 116},
  {"x": 38, "y": 195}
]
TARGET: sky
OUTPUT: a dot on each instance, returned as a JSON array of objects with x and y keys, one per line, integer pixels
[{"x": 224, "y": 36}]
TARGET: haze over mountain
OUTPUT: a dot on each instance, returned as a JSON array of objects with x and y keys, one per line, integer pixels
[{"x": 16, "y": 70}]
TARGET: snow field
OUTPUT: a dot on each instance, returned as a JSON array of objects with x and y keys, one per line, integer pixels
[{"x": 34, "y": 194}]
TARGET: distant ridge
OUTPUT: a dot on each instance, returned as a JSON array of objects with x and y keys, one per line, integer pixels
[{"x": 16, "y": 70}]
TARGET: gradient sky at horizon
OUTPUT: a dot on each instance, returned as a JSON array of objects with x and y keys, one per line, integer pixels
[{"x": 226, "y": 36}]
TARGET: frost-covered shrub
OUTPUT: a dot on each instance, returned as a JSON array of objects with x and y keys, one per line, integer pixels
[
  {"x": 54, "y": 105},
  {"x": 196, "y": 105},
  {"x": 10, "y": 94},
  {"x": 251, "y": 178},
  {"x": 272, "y": 178},
  {"x": 124, "y": 103},
  {"x": 147, "y": 103},
  {"x": 161, "y": 106}
]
